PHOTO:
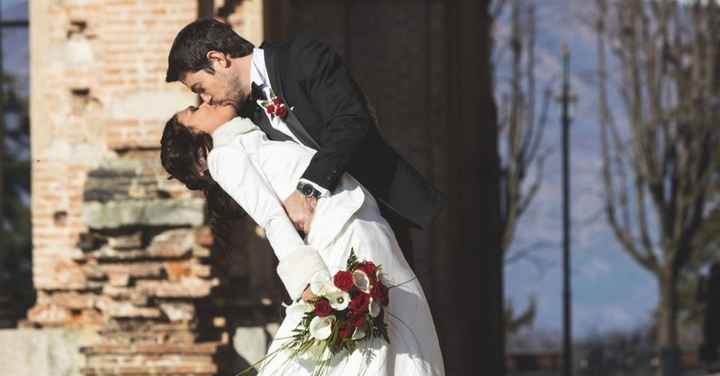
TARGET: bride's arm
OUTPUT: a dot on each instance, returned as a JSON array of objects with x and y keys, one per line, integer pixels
[{"x": 231, "y": 167}]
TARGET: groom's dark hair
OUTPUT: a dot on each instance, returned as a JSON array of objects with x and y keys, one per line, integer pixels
[{"x": 189, "y": 50}]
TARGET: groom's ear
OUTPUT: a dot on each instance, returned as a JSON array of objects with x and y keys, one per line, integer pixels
[{"x": 217, "y": 58}]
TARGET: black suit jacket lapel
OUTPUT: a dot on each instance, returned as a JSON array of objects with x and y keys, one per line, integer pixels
[{"x": 277, "y": 73}]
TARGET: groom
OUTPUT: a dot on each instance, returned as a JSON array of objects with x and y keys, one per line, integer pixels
[{"x": 327, "y": 112}]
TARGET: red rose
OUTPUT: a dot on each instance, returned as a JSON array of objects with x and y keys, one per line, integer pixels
[
  {"x": 369, "y": 268},
  {"x": 346, "y": 331},
  {"x": 270, "y": 109},
  {"x": 281, "y": 111},
  {"x": 360, "y": 303},
  {"x": 277, "y": 101},
  {"x": 358, "y": 321},
  {"x": 343, "y": 280},
  {"x": 322, "y": 308},
  {"x": 380, "y": 293}
]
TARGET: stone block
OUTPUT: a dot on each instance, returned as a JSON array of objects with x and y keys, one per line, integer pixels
[
  {"x": 201, "y": 252},
  {"x": 192, "y": 348},
  {"x": 125, "y": 293},
  {"x": 138, "y": 370},
  {"x": 172, "y": 244},
  {"x": 30, "y": 352},
  {"x": 124, "y": 309},
  {"x": 191, "y": 287},
  {"x": 177, "y": 270},
  {"x": 201, "y": 270},
  {"x": 49, "y": 314},
  {"x": 157, "y": 212},
  {"x": 146, "y": 269},
  {"x": 130, "y": 241},
  {"x": 71, "y": 300},
  {"x": 116, "y": 279},
  {"x": 178, "y": 311}
]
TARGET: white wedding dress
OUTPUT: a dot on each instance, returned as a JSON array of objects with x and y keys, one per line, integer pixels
[{"x": 259, "y": 174}]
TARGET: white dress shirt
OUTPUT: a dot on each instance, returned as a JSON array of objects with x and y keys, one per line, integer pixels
[{"x": 260, "y": 77}]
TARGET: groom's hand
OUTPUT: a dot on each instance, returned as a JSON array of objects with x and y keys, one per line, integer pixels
[{"x": 300, "y": 209}]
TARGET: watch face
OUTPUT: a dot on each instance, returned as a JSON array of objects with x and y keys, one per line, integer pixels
[{"x": 307, "y": 190}]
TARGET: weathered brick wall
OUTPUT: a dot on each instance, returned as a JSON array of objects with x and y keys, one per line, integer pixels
[
  {"x": 97, "y": 87},
  {"x": 116, "y": 246}
]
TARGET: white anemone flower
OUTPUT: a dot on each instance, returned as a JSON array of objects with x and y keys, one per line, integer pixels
[
  {"x": 374, "y": 308},
  {"x": 339, "y": 299},
  {"x": 361, "y": 281},
  {"x": 321, "y": 283},
  {"x": 321, "y": 327}
]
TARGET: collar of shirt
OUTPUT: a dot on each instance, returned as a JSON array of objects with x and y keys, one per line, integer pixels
[
  {"x": 259, "y": 74},
  {"x": 226, "y": 133}
]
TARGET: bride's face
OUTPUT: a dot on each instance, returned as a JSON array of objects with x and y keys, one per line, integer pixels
[{"x": 206, "y": 117}]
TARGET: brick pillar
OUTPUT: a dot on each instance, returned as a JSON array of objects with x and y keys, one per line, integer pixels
[{"x": 117, "y": 247}]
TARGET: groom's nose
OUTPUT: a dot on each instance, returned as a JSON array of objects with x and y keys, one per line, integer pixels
[{"x": 206, "y": 98}]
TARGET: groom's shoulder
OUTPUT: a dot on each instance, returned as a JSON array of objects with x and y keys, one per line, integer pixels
[{"x": 302, "y": 45}]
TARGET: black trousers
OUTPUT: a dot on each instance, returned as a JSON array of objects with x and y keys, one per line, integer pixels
[{"x": 401, "y": 227}]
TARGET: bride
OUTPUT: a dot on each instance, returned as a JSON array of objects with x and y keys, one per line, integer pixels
[{"x": 209, "y": 148}]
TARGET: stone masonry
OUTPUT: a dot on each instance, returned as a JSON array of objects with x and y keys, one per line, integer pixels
[{"x": 119, "y": 248}]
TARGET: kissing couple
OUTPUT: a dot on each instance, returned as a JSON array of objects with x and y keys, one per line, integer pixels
[{"x": 284, "y": 134}]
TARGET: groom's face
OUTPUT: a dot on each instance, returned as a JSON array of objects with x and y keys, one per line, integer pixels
[{"x": 221, "y": 87}]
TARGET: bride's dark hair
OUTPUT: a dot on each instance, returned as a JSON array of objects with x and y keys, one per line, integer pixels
[{"x": 183, "y": 154}]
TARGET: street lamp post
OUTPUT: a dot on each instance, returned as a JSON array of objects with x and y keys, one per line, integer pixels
[{"x": 567, "y": 100}]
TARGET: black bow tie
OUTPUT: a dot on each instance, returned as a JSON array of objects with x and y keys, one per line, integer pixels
[
  {"x": 257, "y": 93},
  {"x": 250, "y": 104}
]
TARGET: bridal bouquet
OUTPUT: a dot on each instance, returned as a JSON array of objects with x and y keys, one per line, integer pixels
[{"x": 349, "y": 308}]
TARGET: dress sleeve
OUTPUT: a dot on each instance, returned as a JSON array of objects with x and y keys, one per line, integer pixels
[{"x": 232, "y": 168}]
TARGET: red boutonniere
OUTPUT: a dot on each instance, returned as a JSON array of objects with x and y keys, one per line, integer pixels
[{"x": 274, "y": 106}]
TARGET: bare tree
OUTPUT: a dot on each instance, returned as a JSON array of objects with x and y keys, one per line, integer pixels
[
  {"x": 660, "y": 159},
  {"x": 520, "y": 132},
  {"x": 521, "y": 129}
]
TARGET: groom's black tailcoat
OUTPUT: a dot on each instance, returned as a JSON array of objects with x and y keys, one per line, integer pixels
[{"x": 330, "y": 113}]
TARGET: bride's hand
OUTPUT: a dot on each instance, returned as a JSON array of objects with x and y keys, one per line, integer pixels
[{"x": 308, "y": 296}]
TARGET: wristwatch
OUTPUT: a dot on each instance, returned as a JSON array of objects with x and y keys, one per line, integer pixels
[{"x": 308, "y": 190}]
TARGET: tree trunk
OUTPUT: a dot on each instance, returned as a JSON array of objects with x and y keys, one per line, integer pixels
[{"x": 667, "y": 331}]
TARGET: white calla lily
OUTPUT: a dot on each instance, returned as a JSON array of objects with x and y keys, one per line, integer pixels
[
  {"x": 321, "y": 327},
  {"x": 374, "y": 308},
  {"x": 321, "y": 283},
  {"x": 339, "y": 299},
  {"x": 361, "y": 281}
]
